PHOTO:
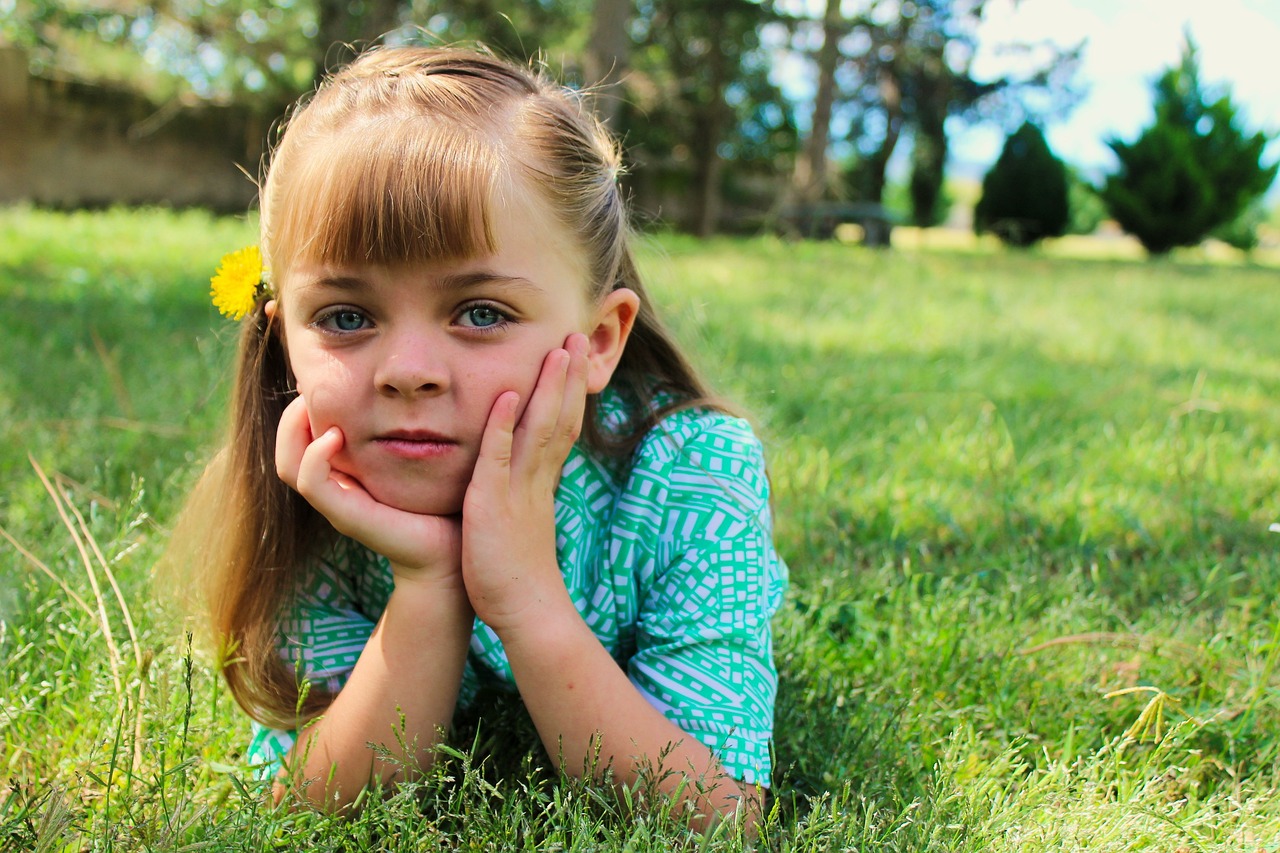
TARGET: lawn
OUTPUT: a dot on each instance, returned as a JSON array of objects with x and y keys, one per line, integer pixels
[{"x": 1025, "y": 501}]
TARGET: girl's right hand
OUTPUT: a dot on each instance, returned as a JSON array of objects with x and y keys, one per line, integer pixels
[{"x": 420, "y": 547}]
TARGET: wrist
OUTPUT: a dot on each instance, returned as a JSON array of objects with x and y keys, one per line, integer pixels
[
  {"x": 432, "y": 591},
  {"x": 543, "y": 626}
]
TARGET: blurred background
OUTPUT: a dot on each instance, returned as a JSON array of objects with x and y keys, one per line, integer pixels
[{"x": 823, "y": 118}]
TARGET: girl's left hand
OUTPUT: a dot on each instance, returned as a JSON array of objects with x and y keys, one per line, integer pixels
[{"x": 508, "y": 517}]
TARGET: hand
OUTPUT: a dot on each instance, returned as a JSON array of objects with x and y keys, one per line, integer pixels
[
  {"x": 508, "y": 517},
  {"x": 419, "y": 547}
]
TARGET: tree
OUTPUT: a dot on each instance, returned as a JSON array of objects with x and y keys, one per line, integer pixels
[
  {"x": 700, "y": 99},
  {"x": 1025, "y": 195},
  {"x": 518, "y": 31},
  {"x": 608, "y": 55},
  {"x": 1193, "y": 170},
  {"x": 1242, "y": 232},
  {"x": 929, "y": 159},
  {"x": 1087, "y": 210},
  {"x": 912, "y": 66},
  {"x": 810, "y": 179},
  {"x": 253, "y": 52},
  {"x": 344, "y": 26},
  {"x": 264, "y": 53}
]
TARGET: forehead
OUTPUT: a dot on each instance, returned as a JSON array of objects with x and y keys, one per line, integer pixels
[
  {"x": 528, "y": 250},
  {"x": 377, "y": 190}
]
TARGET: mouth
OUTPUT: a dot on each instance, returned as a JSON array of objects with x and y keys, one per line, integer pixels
[{"x": 415, "y": 444}]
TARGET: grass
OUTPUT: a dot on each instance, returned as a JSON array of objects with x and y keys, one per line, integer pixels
[{"x": 1024, "y": 498}]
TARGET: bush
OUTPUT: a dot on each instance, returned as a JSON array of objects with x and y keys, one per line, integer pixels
[
  {"x": 1087, "y": 209},
  {"x": 1242, "y": 232},
  {"x": 1193, "y": 171},
  {"x": 1024, "y": 196}
]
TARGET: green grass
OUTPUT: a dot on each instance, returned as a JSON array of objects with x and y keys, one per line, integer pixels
[{"x": 1024, "y": 501}]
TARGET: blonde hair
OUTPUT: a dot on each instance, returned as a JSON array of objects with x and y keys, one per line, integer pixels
[{"x": 396, "y": 159}]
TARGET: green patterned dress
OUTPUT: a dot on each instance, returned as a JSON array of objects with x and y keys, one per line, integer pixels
[{"x": 670, "y": 561}]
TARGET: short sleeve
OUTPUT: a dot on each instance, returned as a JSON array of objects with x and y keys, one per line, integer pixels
[
  {"x": 704, "y": 653},
  {"x": 321, "y": 636}
]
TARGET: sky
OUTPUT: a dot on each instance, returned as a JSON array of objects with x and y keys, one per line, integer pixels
[{"x": 1129, "y": 43}]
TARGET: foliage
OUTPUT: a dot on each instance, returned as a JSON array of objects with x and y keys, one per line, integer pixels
[
  {"x": 1193, "y": 170},
  {"x": 698, "y": 95},
  {"x": 1087, "y": 209},
  {"x": 897, "y": 200},
  {"x": 256, "y": 52},
  {"x": 711, "y": 133},
  {"x": 910, "y": 68},
  {"x": 1032, "y": 586},
  {"x": 928, "y": 171},
  {"x": 1242, "y": 232},
  {"x": 552, "y": 32},
  {"x": 1025, "y": 194}
]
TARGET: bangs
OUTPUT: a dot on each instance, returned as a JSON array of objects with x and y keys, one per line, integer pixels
[{"x": 384, "y": 191}]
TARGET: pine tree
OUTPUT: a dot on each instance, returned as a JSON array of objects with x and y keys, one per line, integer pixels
[
  {"x": 1024, "y": 196},
  {"x": 1194, "y": 170}
]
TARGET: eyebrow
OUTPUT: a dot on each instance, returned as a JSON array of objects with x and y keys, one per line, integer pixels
[
  {"x": 454, "y": 281},
  {"x": 346, "y": 283},
  {"x": 476, "y": 278}
]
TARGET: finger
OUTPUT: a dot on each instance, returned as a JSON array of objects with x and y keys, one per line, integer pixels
[
  {"x": 316, "y": 477},
  {"x": 573, "y": 403},
  {"x": 537, "y": 426},
  {"x": 493, "y": 465},
  {"x": 293, "y": 435},
  {"x": 337, "y": 496}
]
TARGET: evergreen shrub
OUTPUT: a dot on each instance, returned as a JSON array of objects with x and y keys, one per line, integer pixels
[{"x": 1025, "y": 195}]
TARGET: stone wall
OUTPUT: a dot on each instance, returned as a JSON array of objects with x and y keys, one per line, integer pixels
[{"x": 66, "y": 144}]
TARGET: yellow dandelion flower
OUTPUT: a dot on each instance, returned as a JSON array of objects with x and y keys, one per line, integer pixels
[{"x": 235, "y": 284}]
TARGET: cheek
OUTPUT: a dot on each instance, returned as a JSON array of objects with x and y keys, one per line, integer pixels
[
  {"x": 325, "y": 407},
  {"x": 328, "y": 389},
  {"x": 517, "y": 374}
]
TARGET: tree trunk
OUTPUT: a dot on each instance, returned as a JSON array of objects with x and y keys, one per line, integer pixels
[
  {"x": 709, "y": 129},
  {"x": 608, "y": 55},
  {"x": 928, "y": 175},
  {"x": 810, "y": 179},
  {"x": 708, "y": 168},
  {"x": 873, "y": 173}
]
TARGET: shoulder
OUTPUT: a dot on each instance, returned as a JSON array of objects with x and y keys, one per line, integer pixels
[{"x": 700, "y": 458}]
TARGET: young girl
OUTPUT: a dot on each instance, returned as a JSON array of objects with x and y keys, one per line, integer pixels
[{"x": 464, "y": 453}]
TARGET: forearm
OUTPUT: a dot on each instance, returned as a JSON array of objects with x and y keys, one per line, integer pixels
[
  {"x": 591, "y": 717},
  {"x": 400, "y": 695}
]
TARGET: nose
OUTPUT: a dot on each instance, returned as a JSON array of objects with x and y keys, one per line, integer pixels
[{"x": 412, "y": 366}]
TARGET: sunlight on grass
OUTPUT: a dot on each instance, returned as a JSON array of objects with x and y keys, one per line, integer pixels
[{"x": 1025, "y": 499}]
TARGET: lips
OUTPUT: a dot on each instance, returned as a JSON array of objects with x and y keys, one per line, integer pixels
[{"x": 415, "y": 444}]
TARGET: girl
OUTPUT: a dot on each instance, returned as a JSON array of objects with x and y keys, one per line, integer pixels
[{"x": 497, "y": 468}]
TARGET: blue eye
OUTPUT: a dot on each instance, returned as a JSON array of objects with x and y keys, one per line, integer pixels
[
  {"x": 348, "y": 321},
  {"x": 343, "y": 320},
  {"x": 482, "y": 316}
]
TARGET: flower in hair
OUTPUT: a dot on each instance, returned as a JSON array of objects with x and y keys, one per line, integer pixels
[{"x": 238, "y": 282}]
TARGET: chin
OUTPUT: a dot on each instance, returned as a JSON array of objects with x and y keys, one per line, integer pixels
[{"x": 436, "y": 502}]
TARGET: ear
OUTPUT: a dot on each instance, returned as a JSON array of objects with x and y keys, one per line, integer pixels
[
  {"x": 270, "y": 309},
  {"x": 607, "y": 338}
]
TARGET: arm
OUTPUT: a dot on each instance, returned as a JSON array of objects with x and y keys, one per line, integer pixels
[
  {"x": 591, "y": 717},
  {"x": 588, "y": 712},
  {"x": 401, "y": 693}
]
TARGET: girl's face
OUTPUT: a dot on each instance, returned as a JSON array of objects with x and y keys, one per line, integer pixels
[{"x": 408, "y": 360}]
